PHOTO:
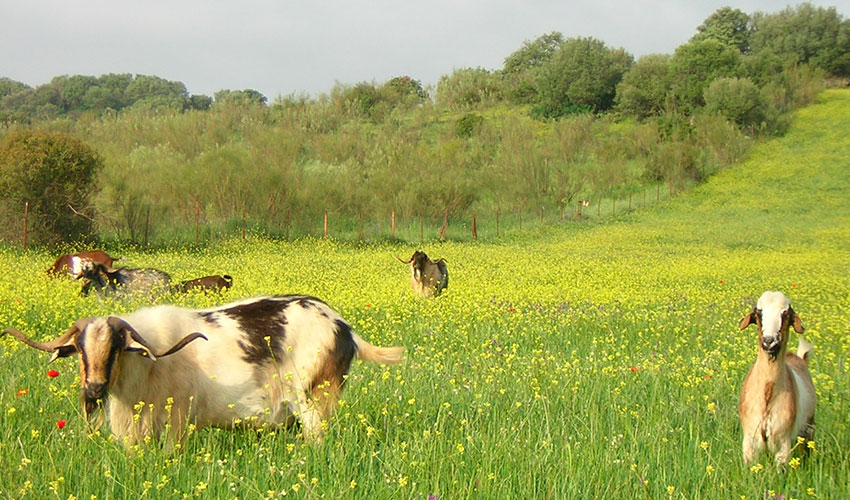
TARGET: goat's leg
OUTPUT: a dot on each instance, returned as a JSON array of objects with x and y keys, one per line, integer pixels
[
  {"x": 308, "y": 414},
  {"x": 750, "y": 446},
  {"x": 783, "y": 453}
]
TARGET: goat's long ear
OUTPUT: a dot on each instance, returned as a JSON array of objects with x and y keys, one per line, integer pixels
[
  {"x": 747, "y": 320},
  {"x": 798, "y": 325},
  {"x": 403, "y": 261}
]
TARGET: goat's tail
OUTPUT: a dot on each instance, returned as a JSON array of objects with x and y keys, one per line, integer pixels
[
  {"x": 804, "y": 349},
  {"x": 375, "y": 354}
]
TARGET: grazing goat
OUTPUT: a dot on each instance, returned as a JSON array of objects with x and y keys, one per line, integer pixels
[
  {"x": 213, "y": 283},
  {"x": 122, "y": 281},
  {"x": 427, "y": 277},
  {"x": 778, "y": 398},
  {"x": 72, "y": 263},
  {"x": 265, "y": 361}
]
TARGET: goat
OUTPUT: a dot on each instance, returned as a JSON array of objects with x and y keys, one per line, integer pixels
[
  {"x": 124, "y": 281},
  {"x": 72, "y": 264},
  {"x": 213, "y": 283},
  {"x": 265, "y": 361},
  {"x": 778, "y": 397},
  {"x": 427, "y": 277}
]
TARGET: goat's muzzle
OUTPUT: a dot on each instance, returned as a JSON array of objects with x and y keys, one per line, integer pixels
[
  {"x": 93, "y": 392},
  {"x": 771, "y": 345}
]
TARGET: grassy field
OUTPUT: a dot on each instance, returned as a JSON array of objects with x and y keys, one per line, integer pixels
[{"x": 597, "y": 361}]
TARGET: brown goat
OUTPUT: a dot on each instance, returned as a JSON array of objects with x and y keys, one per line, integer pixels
[
  {"x": 214, "y": 283},
  {"x": 778, "y": 397},
  {"x": 427, "y": 277},
  {"x": 72, "y": 263}
]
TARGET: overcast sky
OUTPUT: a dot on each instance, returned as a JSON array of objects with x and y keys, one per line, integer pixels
[{"x": 283, "y": 47}]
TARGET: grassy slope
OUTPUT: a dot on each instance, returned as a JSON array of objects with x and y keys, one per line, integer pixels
[{"x": 600, "y": 362}]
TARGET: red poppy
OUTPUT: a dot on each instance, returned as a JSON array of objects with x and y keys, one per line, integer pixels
[
  {"x": 368, "y": 305},
  {"x": 60, "y": 423},
  {"x": 511, "y": 309},
  {"x": 21, "y": 392},
  {"x": 52, "y": 373},
  {"x": 635, "y": 368}
]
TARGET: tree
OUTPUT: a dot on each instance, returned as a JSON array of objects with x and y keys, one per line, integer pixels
[
  {"x": 805, "y": 34},
  {"x": 56, "y": 174},
  {"x": 533, "y": 54},
  {"x": 727, "y": 25},
  {"x": 582, "y": 76},
  {"x": 644, "y": 87},
  {"x": 695, "y": 65},
  {"x": 736, "y": 99},
  {"x": 246, "y": 96},
  {"x": 9, "y": 87}
]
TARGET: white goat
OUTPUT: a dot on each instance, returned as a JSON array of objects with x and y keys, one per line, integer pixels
[
  {"x": 265, "y": 360},
  {"x": 778, "y": 398}
]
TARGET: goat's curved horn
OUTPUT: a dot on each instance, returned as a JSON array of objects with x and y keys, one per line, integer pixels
[
  {"x": 403, "y": 261},
  {"x": 54, "y": 344},
  {"x": 119, "y": 324}
]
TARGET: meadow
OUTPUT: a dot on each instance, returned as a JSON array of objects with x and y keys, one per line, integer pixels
[{"x": 597, "y": 360}]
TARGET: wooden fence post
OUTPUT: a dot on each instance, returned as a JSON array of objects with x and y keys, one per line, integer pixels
[
  {"x": 474, "y": 229},
  {"x": 26, "y": 221},
  {"x": 578, "y": 210},
  {"x": 288, "y": 213},
  {"x": 392, "y": 226},
  {"x": 541, "y": 216},
  {"x": 445, "y": 225},
  {"x": 147, "y": 225},
  {"x": 325, "y": 226},
  {"x": 421, "y": 228}
]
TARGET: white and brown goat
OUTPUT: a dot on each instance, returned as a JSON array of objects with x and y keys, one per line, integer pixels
[
  {"x": 428, "y": 278},
  {"x": 263, "y": 361},
  {"x": 778, "y": 397},
  {"x": 72, "y": 263}
]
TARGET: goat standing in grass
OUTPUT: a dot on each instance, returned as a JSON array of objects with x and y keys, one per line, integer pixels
[
  {"x": 428, "y": 278},
  {"x": 262, "y": 361},
  {"x": 778, "y": 398}
]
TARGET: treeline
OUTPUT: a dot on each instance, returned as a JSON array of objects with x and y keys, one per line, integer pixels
[
  {"x": 565, "y": 119},
  {"x": 79, "y": 94}
]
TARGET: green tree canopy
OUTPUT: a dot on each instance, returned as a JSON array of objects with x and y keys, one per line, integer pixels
[
  {"x": 55, "y": 173},
  {"x": 805, "y": 34},
  {"x": 645, "y": 87},
  {"x": 727, "y": 25},
  {"x": 582, "y": 76},
  {"x": 696, "y": 64}
]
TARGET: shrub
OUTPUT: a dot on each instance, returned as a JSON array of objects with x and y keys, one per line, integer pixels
[
  {"x": 56, "y": 174},
  {"x": 738, "y": 100}
]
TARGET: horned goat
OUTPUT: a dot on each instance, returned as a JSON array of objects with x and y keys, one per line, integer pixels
[
  {"x": 264, "y": 360},
  {"x": 778, "y": 397},
  {"x": 428, "y": 278}
]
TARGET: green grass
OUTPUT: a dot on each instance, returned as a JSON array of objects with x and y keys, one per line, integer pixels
[{"x": 577, "y": 361}]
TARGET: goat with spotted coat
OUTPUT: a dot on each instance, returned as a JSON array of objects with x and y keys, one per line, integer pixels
[{"x": 260, "y": 361}]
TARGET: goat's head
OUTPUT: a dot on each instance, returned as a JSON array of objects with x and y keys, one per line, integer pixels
[
  {"x": 417, "y": 262},
  {"x": 773, "y": 316},
  {"x": 94, "y": 274},
  {"x": 100, "y": 342}
]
